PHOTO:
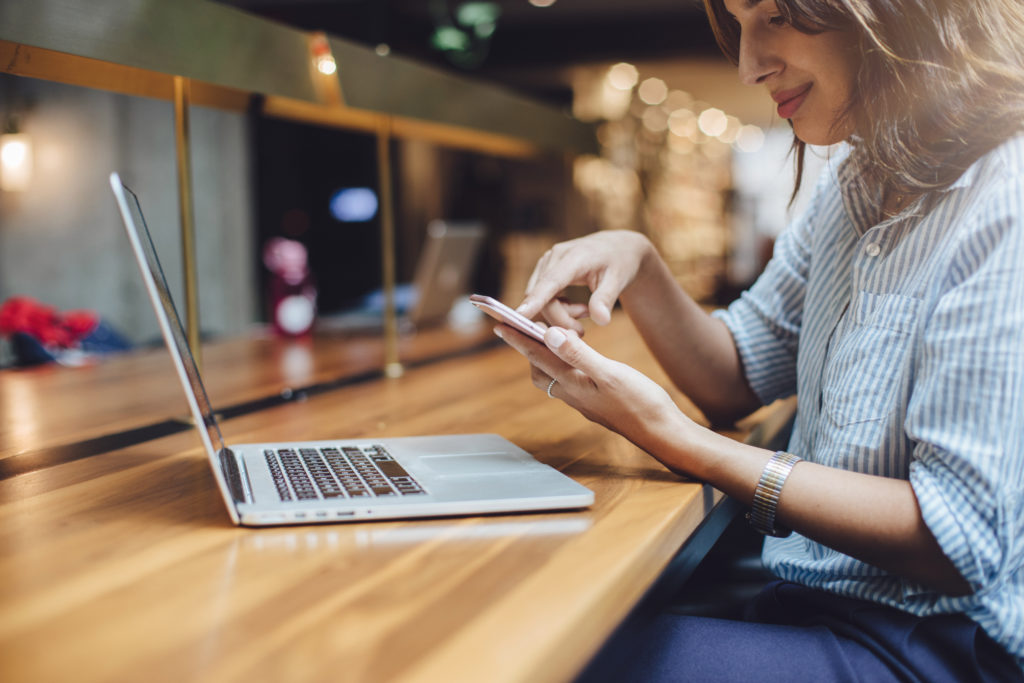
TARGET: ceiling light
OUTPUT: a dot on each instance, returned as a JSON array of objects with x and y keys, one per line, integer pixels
[{"x": 323, "y": 60}]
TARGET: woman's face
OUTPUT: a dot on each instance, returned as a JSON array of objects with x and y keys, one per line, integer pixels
[{"x": 810, "y": 77}]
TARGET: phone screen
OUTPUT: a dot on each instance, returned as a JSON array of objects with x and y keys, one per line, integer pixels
[{"x": 509, "y": 316}]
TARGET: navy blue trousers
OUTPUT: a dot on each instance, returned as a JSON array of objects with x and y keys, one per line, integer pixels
[{"x": 794, "y": 633}]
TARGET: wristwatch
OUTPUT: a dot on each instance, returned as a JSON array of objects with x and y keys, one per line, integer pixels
[{"x": 766, "y": 495}]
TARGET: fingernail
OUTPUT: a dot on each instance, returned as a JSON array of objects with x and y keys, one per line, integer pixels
[
  {"x": 497, "y": 333},
  {"x": 555, "y": 338}
]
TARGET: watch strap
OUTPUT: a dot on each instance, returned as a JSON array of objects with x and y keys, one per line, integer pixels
[{"x": 766, "y": 495}]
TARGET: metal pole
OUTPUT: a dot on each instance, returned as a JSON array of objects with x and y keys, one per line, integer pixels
[
  {"x": 392, "y": 364},
  {"x": 188, "y": 250}
]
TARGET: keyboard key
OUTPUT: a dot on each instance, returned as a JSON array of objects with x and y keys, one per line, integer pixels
[{"x": 335, "y": 473}]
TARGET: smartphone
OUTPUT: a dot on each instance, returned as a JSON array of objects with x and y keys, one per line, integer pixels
[{"x": 503, "y": 313}]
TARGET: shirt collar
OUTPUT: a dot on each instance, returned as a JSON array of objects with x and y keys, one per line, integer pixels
[
  {"x": 862, "y": 202},
  {"x": 968, "y": 177}
]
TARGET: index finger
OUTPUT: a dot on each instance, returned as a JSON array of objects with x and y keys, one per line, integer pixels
[
  {"x": 564, "y": 314},
  {"x": 541, "y": 293}
]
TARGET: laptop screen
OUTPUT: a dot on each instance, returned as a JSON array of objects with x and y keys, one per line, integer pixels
[{"x": 177, "y": 330}]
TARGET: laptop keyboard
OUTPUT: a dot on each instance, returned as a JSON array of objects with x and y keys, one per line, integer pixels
[{"x": 346, "y": 472}]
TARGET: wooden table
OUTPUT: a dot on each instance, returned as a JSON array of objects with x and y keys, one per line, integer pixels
[
  {"x": 53, "y": 407},
  {"x": 123, "y": 566}
]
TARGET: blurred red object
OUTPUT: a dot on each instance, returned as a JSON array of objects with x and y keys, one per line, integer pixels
[
  {"x": 291, "y": 291},
  {"x": 44, "y": 323}
]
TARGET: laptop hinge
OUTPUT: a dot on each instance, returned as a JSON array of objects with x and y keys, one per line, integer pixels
[{"x": 233, "y": 475}]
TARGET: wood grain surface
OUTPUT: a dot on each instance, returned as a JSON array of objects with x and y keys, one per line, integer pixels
[
  {"x": 124, "y": 566},
  {"x": 51, "y": 406}
]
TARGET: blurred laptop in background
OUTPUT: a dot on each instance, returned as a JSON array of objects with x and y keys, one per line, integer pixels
[{"x": 442, "y": 277}]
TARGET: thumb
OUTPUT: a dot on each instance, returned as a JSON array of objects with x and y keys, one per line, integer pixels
[
  {"x": 600, "y": 309},
  {"x": 568, "y": 346},
  {"x": 603, "y": 298}
]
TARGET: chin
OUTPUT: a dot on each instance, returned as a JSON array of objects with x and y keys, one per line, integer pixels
[
  {"x": 819, "y": 135},
  {"x": 811, "y": 137}
]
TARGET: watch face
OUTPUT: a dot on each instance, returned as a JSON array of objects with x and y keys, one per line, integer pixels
[{"x": 294, "y": 314}]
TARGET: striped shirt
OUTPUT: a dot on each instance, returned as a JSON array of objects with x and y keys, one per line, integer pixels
[{"x": 903, "y": 339}]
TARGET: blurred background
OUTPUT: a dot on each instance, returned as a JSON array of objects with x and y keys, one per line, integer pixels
[{"x": 685, "y": 154}]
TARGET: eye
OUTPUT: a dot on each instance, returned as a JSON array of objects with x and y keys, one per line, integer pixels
[{"x": 777, "y": 20}]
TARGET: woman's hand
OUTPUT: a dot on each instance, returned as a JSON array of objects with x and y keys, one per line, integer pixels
[
  {"x": 604, "y": 391},
  {"x": 696, "y": 350},
  {"x": 607, "y": 262}
]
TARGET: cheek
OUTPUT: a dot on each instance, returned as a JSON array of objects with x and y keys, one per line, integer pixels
[
  {"x": 840, "y": 100},
  {"x": 833, "y": 60},
  {"x": 836, "y": 99},
  {"x": 842, "y": 67},
  {"x": 825, "y": 122}
]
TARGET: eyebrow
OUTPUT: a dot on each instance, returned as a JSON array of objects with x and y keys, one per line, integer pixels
[{"x": 747, "y": 4}]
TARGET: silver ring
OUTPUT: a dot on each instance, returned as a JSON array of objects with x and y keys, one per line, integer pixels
[{"x": 551, "y": 384}]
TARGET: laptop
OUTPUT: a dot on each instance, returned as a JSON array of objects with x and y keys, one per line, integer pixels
[
  {"x": 265, "y": 484},
  {"x": 443, "y": 270}
]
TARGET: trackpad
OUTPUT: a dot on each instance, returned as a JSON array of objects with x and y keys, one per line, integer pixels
[{"x": 477, "y": 463}]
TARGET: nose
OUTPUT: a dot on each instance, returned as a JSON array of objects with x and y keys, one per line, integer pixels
[{"x": 757, "y": 61}]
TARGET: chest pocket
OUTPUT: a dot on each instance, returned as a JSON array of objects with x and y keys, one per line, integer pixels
[{"x": 864, "y": 374}]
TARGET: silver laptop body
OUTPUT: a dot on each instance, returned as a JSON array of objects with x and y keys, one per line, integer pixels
[{"x": 337, "y": 481}]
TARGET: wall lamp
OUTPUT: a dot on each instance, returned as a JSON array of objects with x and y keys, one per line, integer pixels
[{"x": 15, "y": 159}]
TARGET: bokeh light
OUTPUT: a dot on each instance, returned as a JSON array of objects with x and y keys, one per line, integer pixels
[
  {"x": 653, "y": 91},
  {"x": 750, "y": 138},
  {"x": 623, "y": 76},
  {"x": 354, "y": 204},
  {"x": 712, "y": 122}
]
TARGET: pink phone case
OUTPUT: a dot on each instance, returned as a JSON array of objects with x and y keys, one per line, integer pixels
[{"x": 503, "y": 313}]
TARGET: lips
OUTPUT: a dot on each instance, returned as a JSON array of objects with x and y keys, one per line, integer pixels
[{"x": 790, "y": 100}]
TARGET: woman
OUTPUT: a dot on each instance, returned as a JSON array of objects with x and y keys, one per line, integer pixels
[{"x": 894, "y": 309}]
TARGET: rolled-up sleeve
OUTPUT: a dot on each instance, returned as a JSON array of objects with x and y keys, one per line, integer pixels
[
  {"x": 966, "y": 414},
  {"x": 765, "y": 321}
]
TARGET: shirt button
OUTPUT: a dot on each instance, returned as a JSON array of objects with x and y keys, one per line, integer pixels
[{"x": 872, "y": 249}]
